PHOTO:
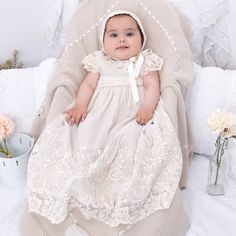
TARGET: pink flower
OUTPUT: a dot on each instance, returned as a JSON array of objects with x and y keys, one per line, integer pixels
[{"x": 6, "y": 127}]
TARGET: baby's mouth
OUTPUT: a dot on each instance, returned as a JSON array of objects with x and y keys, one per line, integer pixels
[{"x": 122, "y": 47}]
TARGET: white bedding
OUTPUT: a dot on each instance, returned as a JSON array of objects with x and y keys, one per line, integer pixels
[{"x": 210, "y": 216}]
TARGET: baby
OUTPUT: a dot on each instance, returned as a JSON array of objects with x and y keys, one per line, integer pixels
[{"x": 110, "y": 167}]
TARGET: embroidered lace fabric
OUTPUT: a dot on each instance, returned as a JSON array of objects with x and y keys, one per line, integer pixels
[
  {"x": 113, "y": 169},
  {"x": 210, "y": 38},
  {"x": 216, "y": 47}
]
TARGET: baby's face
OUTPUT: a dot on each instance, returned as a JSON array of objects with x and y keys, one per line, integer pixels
[{"x": 122, "y": 37}]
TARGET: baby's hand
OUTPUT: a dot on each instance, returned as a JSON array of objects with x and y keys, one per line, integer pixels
[
  {"x": 76, "y": 114},
  {"x": 144, "y": 114}
]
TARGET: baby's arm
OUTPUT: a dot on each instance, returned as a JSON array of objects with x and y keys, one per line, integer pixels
[
  {"x": 151, "y": 97},
  {"x": 79, "y": 111}
]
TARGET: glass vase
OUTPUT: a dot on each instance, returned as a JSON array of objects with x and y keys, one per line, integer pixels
[{"x": 217, "y": 178}]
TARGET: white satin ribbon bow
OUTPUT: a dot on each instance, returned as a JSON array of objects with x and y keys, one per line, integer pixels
[{"x": 133, "y": 74}]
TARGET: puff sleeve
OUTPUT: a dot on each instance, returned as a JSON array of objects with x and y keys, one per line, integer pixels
[
  {"x": 90, "y": 62},
  {"x": 152, "y": 62}
]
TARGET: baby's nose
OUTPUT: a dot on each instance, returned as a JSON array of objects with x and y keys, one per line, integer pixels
[{"x": 122, "y": 39}]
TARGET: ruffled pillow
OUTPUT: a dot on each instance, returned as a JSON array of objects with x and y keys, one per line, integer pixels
[
  {"x": 212, "y": 89},
  {"x": 22, "y": 92}
]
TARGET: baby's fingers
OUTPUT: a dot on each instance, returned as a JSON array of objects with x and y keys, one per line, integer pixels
[
  {"x": 139, "y": 119},
  {"x": 83, "y": 116},
  {"x": 146, "y": 119},
  {"x": 67, "y": 111},
  {"x": 69, "y": 116},
  {"x": 143, "y": 121},
  {"x": 77, "y": 119}
]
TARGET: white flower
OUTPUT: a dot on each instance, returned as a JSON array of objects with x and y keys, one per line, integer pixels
[
  {"x": 231, "y": 132},
  {"x": 222, "y": 122}
]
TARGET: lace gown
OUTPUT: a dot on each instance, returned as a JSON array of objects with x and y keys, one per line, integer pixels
[{"x": 113, "y": 169}]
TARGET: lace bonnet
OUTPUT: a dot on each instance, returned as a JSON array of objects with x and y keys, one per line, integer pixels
[{"x": 122, "y": 12}]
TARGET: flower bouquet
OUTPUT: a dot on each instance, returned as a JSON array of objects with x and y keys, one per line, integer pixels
[
  {"x": 15, "y": 149},
  {"x": 224, "y": 124}
]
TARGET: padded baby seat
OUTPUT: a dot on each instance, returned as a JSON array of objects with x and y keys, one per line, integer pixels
[{"x": 167, "y": 34}]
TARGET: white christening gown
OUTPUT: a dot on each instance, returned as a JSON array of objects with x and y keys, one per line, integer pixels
[{"x": 113, "y": 169}]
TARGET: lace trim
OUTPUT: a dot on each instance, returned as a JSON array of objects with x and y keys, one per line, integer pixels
[
  {"x": 90, "y": 62},
  {"x": 152, "y": 63},
  {"x": 130, "y": 209},
  {"x": 216, "y": 53},
  {"x": 212, "y": 15},
  {"x": 210, "y": 40},
  {"x": 216, "y": 48}
]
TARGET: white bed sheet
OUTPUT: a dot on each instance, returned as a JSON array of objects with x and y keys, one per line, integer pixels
[{"x": 210, "y": 216}]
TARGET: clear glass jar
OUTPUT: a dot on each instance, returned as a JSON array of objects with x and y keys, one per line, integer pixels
[{"x": 217, "y": 176}]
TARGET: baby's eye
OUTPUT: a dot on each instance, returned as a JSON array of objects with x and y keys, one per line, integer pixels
[
  {"x": 113, "y": 35},
  {"x": 130, "y": 34}
]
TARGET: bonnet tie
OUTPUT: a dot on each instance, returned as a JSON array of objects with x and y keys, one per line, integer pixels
[{"x": 133, "y": 74}]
